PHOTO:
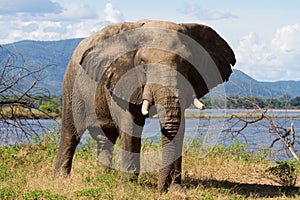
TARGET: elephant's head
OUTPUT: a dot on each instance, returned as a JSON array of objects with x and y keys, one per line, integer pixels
[
  {"x": 158, "y": 63},
  {"x": 133, "y": 59}
]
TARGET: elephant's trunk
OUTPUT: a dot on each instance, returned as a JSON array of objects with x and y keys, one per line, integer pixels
[
  {"x": 171, "y": 120},
  {"x": 172, "y": 130},
  {"x": 162, "y": 91}
]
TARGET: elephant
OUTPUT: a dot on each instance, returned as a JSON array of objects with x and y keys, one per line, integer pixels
[{"x": 122, "y": 74}]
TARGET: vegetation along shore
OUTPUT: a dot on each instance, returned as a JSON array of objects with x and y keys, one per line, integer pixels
[{"x": 26, "y": 172}]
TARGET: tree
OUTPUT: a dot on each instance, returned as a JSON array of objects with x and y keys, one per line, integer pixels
[
  {"x": 286, "y": 135},
  {"x": 295, "y": 102},
  {"x": 48, "y": 107},
  {"x": 18, "y": 90}
]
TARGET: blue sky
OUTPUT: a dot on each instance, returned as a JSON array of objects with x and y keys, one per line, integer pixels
[{"x": 263, "y": 33}]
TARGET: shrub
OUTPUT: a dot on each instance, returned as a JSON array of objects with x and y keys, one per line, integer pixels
[
  {"x": 285, "y": 172},
  {"x": 48, "y": 107}
]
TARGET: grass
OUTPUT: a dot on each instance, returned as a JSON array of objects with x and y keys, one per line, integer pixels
[{"x": 231, "y": 173}]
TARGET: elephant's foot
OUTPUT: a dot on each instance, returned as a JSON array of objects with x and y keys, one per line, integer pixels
[
  {"x": 173, "y": 188},
  {"x": 163, "y": 187},
  {"x": 104, "y": 158},
  {"x": 177, "y": 191},
  {"x": 62, "y": 168},
  {"x": 61, "y": 173},
  {"x": 176, "y": 188},
  {"x": 167, "y": 183}
]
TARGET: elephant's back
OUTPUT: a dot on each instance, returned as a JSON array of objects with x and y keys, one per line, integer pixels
[{"x": 91, "y": 42}]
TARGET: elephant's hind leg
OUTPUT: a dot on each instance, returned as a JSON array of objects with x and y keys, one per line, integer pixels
[
  {"x": 68, "y": 143},
  {"x": 106, "y": 139}
]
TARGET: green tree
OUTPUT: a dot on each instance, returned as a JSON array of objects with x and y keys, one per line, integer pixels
[
  {"x": 295, "y": 102},
  {"x": 48, "y": 107}
]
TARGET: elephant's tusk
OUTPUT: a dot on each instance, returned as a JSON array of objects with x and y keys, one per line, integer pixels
[
  {"x": 145, "y": 107},
  {"x": 198, "y": 104}
]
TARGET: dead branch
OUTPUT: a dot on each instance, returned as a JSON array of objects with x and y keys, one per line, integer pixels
[
  {"x": 246, "y": 123},
  {"x": 276, "y": 132},
  {"x": 285, "y": 135},
  {"x": 18, "y": 91}
]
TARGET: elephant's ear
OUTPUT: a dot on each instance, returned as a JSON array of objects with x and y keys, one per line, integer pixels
[
  {"x": 124, "y": 79},
  {"x": 107, "y": 58},
  {"x": 218, "y": 49}
]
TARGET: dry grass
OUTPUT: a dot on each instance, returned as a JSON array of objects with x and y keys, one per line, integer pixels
[{"x": 226, "y": 173}]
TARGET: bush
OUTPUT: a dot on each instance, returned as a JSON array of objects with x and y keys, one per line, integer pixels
[
  {"x": 49, "y": 107},
  {"x": 285, "y": 172}
]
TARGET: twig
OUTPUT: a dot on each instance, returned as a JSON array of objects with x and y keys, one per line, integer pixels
[{"x": 275, "y": 130}]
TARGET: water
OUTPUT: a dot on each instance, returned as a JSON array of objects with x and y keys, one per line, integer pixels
[
  {"x": 12, "y": 134},
  {"x": 207, "y": 131}
]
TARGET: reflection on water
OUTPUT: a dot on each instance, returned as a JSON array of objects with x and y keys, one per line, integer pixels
[{"x": 206, "y": 131}]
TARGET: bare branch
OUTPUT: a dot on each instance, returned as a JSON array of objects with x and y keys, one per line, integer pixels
[
  {"x": 276, "y": 132},
  {"x": 18, "y": 91}
]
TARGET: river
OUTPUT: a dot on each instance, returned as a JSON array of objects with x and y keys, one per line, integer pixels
[{"x": 208, "y": 132}]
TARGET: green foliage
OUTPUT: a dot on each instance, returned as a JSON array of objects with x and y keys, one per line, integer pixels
[
  {"x": 10, "y": 193},
  {"x": 3, "y": 172},
  {"x": 42, "y": 194},
  {"x": 295, "y": 102},
  {"x": 239, "y": 151},
  {"x": 48, "y": 107},
  {"x": 91, "y": 192},
  {"x": 285, "y": 172},
  {"x": 235, "y": 102},
  {"x": 7, "y": 193}
]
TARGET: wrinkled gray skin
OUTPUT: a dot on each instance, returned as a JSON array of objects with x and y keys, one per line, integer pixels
[{"x": 92, "y": 101}]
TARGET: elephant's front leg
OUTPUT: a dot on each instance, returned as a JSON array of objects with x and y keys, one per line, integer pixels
[
  {"x": 131, "y": 146},
  {"x": 170, "y": 173},
  {"x": 130, "y": 138}
]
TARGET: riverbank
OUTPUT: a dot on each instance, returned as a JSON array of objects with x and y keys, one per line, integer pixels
[
  {"x": 22, "y": 113},
  {"x": 241, "y": 113},
  {"x": 189, "y": 113},
  {"x": 26, "y": 172}
]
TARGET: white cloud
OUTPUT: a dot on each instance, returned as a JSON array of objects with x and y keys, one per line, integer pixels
[
  {"x": 287, "y": 39},
  {"x": 71, "y": 20},
  {"x": 73, "y": 12},
  {"x": 113, "y": 15},
  {"x": 201, "y": 13},
  {"x": 45, "y": 30},
  {"x": 276, "y": 60},
  {"x": 74, "y": 20},
  {"x": 30, "y": 27}
]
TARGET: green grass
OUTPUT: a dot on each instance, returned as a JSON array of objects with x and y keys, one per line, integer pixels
[{"x": 26, "y": 172}]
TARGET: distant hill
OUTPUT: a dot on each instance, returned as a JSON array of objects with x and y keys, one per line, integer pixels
[
  {"x": 58, "y": 53},
  {"x": 240, "y": 84},
  {"x": 43, "y": 53}
]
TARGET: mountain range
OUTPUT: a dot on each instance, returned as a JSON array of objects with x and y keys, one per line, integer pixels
[{"x": 56, "y": 55}]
